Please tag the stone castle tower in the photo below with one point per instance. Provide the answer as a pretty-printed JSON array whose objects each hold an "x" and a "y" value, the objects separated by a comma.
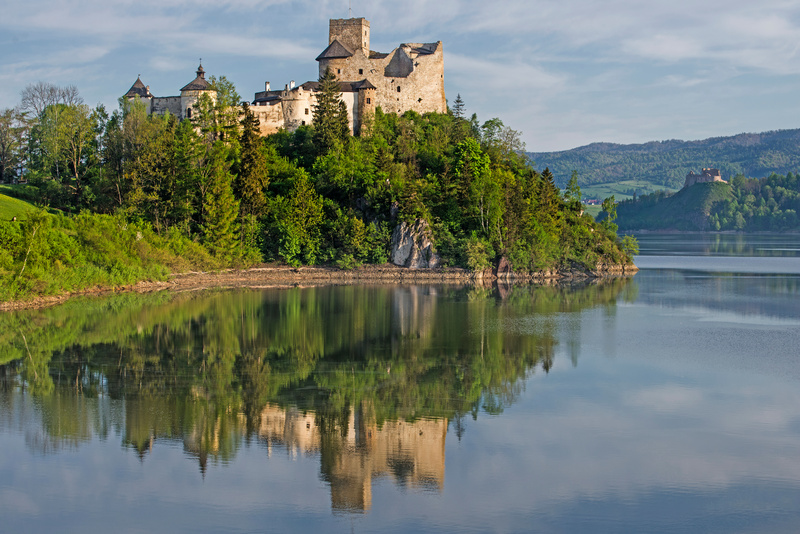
[{"x": 410, "y": 77}]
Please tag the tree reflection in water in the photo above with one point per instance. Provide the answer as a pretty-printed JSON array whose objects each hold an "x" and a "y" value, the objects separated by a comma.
[{"x": 367, "y": 377}]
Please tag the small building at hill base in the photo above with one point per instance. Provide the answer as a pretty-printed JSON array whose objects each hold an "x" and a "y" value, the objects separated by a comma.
[{"x": 705, "y": 176}]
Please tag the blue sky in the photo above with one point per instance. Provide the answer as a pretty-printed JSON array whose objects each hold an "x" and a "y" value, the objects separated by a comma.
[{"x": 564, "y": 72}]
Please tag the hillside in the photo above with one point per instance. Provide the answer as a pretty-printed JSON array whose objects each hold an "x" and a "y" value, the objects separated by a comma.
[
  {"x": 12, "y": 207},
  {"x": 688, "y": 209},
  {"x": 664, "y": 164}
]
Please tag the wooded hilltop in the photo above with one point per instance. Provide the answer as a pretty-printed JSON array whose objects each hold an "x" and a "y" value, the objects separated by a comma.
[
  {"x": 128, "y": 196},
  {"x": 743, "y": 205}
]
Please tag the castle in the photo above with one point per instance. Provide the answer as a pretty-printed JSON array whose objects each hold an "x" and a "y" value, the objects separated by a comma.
[
  {"x": 409, "y": 78},
  {"x": 180, "y": 106},
  {"x": 707, "y": 175}
]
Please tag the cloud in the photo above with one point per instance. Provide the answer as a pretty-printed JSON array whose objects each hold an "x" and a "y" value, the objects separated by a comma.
[{"x": 580, "y": 66}]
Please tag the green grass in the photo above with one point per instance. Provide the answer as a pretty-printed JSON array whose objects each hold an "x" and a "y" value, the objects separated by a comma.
[
  {"x": 594, "y": 211},
  {"x": 13, "y": 207},
  {"x": 618, "y": 189}
]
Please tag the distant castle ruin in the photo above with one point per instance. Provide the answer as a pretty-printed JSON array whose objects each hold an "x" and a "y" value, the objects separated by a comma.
[
  {"x": 409, "y": 78},
  {"x": 707, "y": 175}
]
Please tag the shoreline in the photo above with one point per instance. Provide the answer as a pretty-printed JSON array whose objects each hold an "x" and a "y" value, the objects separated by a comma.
[{"x": 284, "y": 276}]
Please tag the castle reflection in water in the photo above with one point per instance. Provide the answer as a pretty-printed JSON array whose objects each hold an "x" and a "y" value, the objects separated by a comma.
[{"x": 410, "y": 452}]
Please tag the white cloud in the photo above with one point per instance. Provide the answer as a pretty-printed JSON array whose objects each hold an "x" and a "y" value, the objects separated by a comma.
[{"x": 580, "y": 66}]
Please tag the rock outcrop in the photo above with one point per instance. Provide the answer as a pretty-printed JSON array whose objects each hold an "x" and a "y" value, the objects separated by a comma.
[{"x": 412, "y": 246}]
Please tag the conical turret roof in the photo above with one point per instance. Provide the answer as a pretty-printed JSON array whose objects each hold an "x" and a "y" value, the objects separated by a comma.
[
  {"x": 138, "y": 89},
  {"x": 199, "y": 83}
]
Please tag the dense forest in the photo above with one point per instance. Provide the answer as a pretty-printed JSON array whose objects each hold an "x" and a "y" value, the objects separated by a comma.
[
  {"x": 665, "y": 164},
  {"x": 748, "y": 205},
  {"x": 137, "y": 195}
]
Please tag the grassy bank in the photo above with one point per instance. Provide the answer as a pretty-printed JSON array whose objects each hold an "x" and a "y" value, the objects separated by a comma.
[
  {"x": 13, "y": 207},
  {"x": 44, "y": 254}
]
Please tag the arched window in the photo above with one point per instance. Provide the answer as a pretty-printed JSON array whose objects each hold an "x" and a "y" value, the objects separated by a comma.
[{"x": 189, "y": 112}]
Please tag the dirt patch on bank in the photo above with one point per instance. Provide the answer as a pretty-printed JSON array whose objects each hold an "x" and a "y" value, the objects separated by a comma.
[{"x": 282, "y": 276}]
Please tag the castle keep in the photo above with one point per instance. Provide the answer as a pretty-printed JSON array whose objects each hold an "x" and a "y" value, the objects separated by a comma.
[
  {"x": 409, "y": 78},
  {"x": 707, "y": 175}
]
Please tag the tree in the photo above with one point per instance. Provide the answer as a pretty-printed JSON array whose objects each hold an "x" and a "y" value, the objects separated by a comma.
[
  {"x": 572, "y": 193},
  {"x": 458, "y": 108},
  {"x": 218, "y": 111},
  {"x": 38, "y": 96},
  {"x": 220, "y": 231},
  {"x": 251, "y": 180},
  {"x": 331, "y": 125},
  {"x": 610, "y": 208},
  {"x": 13, "y": 131},
  {"x": 78, "y": 127},
  {"x": 299, "y": 220}
]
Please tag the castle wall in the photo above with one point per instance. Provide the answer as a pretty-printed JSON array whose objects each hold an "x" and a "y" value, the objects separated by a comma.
[
  {"x": 706, "y": 176},
  {"x": 421, "y": 90},
  {"x": 270, "y": 117},
  {"x": 146, "y": 102},
  {"x": 420, "y": 76},
  {"x": 167, "y": 104},
  {"x": 293, "y": 108},
  {"x": 189, "y": 99},
  {"x": 366, "y": 108}
]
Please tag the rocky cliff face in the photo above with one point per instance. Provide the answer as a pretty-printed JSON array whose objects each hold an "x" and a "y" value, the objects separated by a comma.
[{"x": 412, "y": 246}]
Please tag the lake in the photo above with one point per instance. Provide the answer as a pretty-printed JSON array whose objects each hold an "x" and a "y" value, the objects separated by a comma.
[{"x": 666, "y": 402}]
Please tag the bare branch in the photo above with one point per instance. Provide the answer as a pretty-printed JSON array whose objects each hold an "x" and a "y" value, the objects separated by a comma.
[{"x": 37, "y": 96}]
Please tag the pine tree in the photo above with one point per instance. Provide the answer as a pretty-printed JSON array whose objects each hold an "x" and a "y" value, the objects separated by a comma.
[
  {"x": 221, "y": 208},
  {"x": 252, "y": 177},
  {"x": 331, "y": 125},
  {"x": 458, "y": 108}
]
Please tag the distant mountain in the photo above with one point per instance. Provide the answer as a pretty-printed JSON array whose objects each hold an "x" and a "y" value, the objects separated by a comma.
[{"x": 666, "y": 163}]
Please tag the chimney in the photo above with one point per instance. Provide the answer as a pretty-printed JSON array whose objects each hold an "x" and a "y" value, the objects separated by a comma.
[
  {"x": 291, "y": 84},
  {"x": 266, "y": 86}
]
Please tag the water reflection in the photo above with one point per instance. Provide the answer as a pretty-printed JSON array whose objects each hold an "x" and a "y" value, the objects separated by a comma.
[
  {"x": 720, "y": 244},
  {"x": 369, "y": 379}
]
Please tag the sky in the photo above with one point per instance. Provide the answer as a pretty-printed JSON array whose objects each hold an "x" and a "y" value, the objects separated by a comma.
[{"x": 565, "y": 73}]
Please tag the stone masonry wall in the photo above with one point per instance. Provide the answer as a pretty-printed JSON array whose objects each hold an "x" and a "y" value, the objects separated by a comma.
[
  {"x": 352, "y": 33},
  {"x": 420, "y": 77},
  {"x": 171, "y": 104}
]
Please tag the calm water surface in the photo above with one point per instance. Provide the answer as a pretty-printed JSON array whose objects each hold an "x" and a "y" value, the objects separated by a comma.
[{"x": 668, "y": 402}]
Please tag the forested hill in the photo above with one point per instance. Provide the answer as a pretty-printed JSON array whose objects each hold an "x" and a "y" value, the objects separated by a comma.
[{"x": 666, "y": 163}]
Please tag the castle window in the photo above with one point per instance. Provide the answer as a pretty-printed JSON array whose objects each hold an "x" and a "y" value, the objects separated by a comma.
[
  {"x": 361, "y": 71},
  {"x": 303, "y": 123},
  {"x": 188, "y": 113},
  {"x": 338, "y": 71},
  {"x": 398, "y": 88},
  {"x": 306, "y": 111},
  {"x": 369, "y": 101}
]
